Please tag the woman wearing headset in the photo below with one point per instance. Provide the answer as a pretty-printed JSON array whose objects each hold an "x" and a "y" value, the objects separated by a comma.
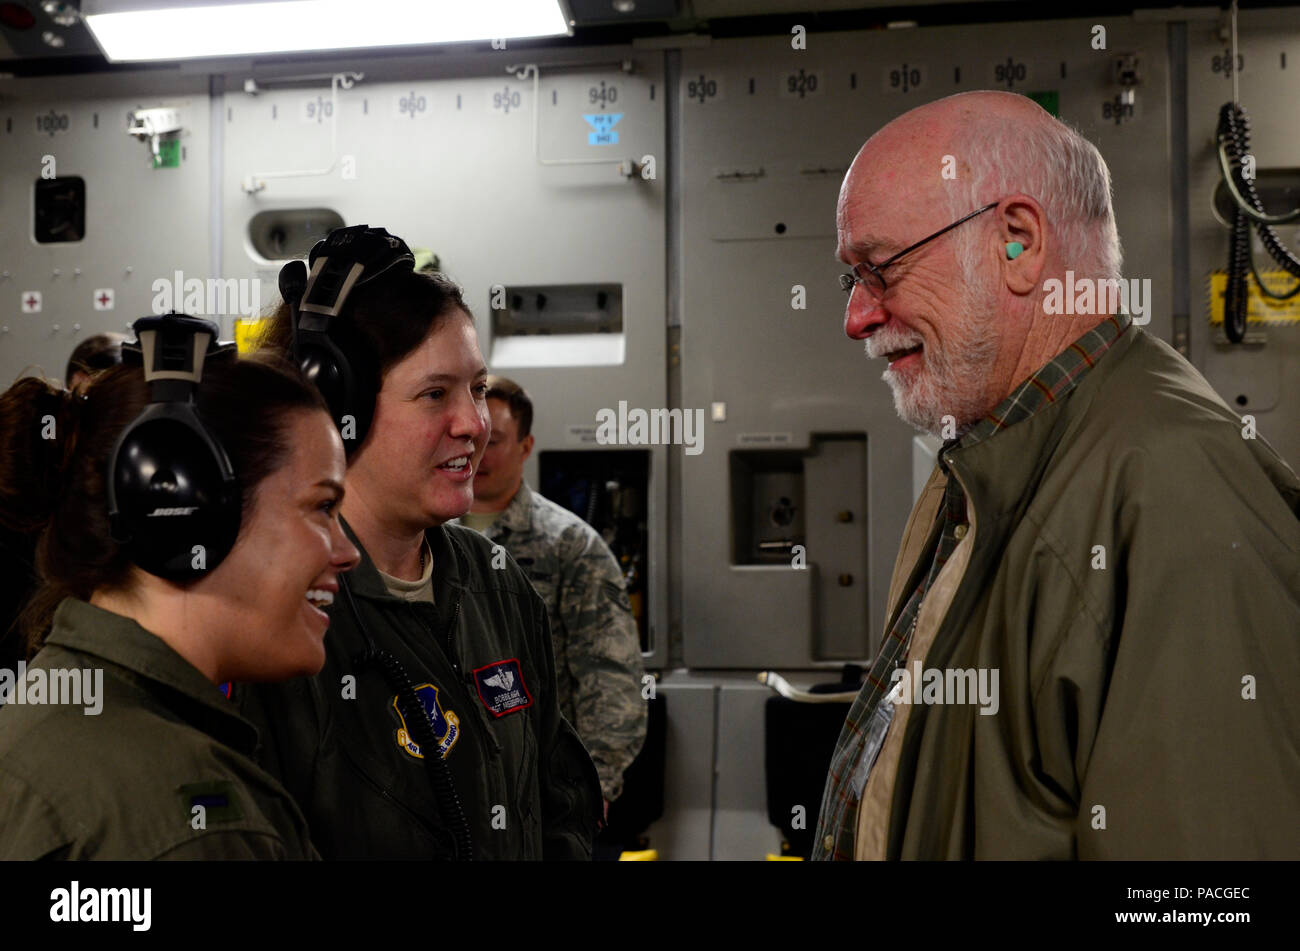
[
  {"x": 433, "y": 730},
  {"x": 116, "y": 741}
]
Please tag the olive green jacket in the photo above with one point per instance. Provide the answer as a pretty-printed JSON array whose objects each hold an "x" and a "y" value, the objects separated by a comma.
[
  {"x": 481, "y": 660},
  {"x": 164, "y": 770},
  {"x": 597, "y": 648},
  {"x": 1135, "y": 579}
]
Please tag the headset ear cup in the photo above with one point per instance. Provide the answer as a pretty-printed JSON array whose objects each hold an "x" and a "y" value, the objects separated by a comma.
[
  {"x": 326, "y": 369},
  {"x": 367, "y": 382},
  {"x": 349, "y": 385},
  {"x": 175, "y": 504}
]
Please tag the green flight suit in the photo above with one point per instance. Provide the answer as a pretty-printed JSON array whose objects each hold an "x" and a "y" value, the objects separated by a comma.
[
  {"x": 124, "y": 783},
  {"x": 481, "y": 662},
  {"x": 597, "y": 649}
]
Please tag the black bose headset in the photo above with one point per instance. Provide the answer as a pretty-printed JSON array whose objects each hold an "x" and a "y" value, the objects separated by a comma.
[
  {"x": 330, "y": 353},
  {"x": 338, "y": 361},
  {"x": 173, "y": 497}
]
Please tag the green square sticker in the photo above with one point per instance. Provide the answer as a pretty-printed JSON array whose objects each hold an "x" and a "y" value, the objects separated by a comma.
[
  {"x": 169, "y": 153},
  {"x": 1049, "y": 100}
]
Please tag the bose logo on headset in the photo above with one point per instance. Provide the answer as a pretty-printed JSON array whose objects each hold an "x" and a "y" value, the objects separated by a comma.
[{"x": 184, "y": 510}]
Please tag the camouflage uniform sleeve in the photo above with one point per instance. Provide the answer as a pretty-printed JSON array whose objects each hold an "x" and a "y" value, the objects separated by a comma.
[{"x": 604, "y": 657}]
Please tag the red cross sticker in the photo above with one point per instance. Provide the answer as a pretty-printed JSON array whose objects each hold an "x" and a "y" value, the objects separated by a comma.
[
  {"x": 31, "y": 302},
  {"x": 104, "y": 298}
]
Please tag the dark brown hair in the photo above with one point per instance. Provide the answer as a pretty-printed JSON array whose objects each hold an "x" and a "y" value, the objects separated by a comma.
[
  {"x": 385, "y": 320},
  {"x": 55, "y": 448},
  {"x": 521, "y": 407},
  {"x": 93, "y": 354}
]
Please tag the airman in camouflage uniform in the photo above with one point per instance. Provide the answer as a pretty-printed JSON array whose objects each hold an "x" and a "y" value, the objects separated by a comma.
[{"x": 597, "y": 648}]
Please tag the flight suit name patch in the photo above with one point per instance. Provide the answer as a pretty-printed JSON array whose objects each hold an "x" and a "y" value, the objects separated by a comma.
[
  {"x": 501, "y": 687},
  {"x": 218, "y": 799}
]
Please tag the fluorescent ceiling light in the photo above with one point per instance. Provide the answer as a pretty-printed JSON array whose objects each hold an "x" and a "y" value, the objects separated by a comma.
[{"x": 135, "y": 30}]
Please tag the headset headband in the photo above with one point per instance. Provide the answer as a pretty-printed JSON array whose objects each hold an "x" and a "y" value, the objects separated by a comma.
[
  {"x": 347, "y": 258},
  {"x": 333, "y": 359},
  {"x": 172, "y": 348}
]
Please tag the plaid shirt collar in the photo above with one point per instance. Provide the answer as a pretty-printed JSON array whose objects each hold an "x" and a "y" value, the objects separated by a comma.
[{"x": 1056, "y": 379}]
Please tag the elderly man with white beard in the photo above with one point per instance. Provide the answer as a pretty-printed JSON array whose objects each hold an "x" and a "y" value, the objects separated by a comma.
[{"x": 1100, "y": 529}]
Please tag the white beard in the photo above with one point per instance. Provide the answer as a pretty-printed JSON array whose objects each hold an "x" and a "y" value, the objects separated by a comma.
[{"x": 952, "y": 379}]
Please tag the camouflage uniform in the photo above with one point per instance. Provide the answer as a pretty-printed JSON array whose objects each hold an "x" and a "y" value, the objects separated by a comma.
[{"x": 597, "y": 650}]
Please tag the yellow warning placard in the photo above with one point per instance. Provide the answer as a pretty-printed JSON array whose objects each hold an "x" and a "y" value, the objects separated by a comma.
[{"x": 1259, "y": 309}]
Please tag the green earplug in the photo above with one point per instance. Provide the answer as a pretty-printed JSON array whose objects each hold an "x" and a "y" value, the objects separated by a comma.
[{"x": 1013, "y": 250}]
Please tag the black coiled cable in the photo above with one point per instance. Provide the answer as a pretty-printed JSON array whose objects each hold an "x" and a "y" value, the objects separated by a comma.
[
  {"x": 421, "y": 729},
  {"x": 1234, "y": 137}
]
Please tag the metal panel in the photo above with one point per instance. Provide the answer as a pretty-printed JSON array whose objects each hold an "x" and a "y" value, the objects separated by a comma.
[
  {"x": 741, "y": 830},
  {"x": 685, "y": 831},
  {"x": 142, "y": 224}
]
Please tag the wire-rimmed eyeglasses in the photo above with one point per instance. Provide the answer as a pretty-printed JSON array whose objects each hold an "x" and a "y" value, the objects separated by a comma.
[{"x": 871, "y": 276}]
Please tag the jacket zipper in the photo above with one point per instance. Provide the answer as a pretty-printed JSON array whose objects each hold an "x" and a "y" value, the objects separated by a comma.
[{"x": 451, "y": 629}]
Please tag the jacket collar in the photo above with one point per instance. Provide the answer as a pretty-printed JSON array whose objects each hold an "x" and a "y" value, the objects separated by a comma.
[
  {"x": 997, "y": 470},
  {"x": 87, "y": 629},
  {"x": 1051, "y": 382},
  {"x": 449, "y": 572}
]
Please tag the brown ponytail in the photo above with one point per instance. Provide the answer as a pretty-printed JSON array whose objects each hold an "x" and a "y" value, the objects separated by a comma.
[{"x": 55, "y": 448}]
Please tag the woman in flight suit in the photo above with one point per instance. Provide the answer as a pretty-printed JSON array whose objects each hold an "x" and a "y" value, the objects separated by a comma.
[
  {"x": 433, "y": 730},
  {"x": 116, "y": 741}
]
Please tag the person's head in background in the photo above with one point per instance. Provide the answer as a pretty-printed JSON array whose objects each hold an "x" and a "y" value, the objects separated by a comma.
[
  {"x": 411, "y": 338},
  {"x": 249, "y": 616},
  {"x": 509, "y": 445},
  {"x": 92, "y": 355}
]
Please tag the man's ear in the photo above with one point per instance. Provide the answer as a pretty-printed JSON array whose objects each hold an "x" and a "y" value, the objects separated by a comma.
[
  {"x": 527, "y": 443},
  {"x": 1022, "y": 235}
]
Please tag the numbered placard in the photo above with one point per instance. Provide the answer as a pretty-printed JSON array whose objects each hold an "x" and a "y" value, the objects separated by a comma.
[
  {"x": 1119, "y": 109},
  {"x": 602, "y": 96},
  {"x": 410, "y": 104},
  {"x": 52, "y": 123},
  {"x": 506, "y": 100},
  {"x": 702, "y": 88},
  {"x": 903, "y": 77},
  {"x": 1010, "y": 73},
  {"x": 318, "y": 110},
  {"x": 801, "y": 83},
  {"x": 1221, "y": 63}
]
